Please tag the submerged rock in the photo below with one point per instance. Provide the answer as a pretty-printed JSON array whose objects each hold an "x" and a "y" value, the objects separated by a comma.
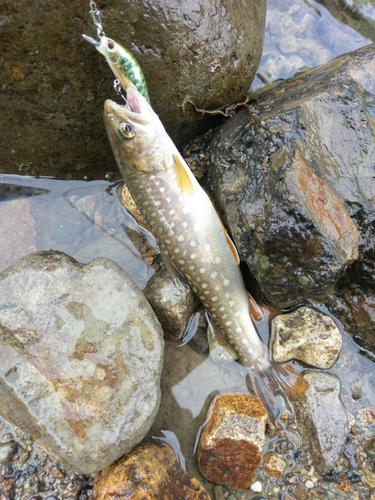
[
  {"x": 230, "y": 447},
  {"x": 80, "y": 358},
  {"x": 173, "y": 305},
  {"x": 322, "y": 420},
  {"x": 150, "y": 470},
  {"x": 289, "y": 181},
  {"x": 306, "y": 335}
]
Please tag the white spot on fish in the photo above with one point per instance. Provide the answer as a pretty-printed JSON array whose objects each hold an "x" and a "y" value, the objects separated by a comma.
[
  {"x": 214, "y": 298},
  {"x": 165, "y": 252},
  {"x": 202, "y": 270},
  {"x": 193, "y": 256},
  {"x": 224, "y": 316},
  {"x": 204, "y": 285},
  {"x": 214, "y": 315},
  {"x": 202, "y": 297},
  {"x": 228, "y": 323},
  {"x": 157, "y": 203},
  {"x": 196, "y": 228},
  {"x": 213, "y": 275},
  {"x": 171, "y": 212},
  {"x": 231, "y": 303},
  {"x": 172, "y": 225},
  {"x": 153, "y": 214},
  {"x": 152, "y": 177},
  {"x": 188, "y": 276},
  {"x": 226, "y": 282},
  {"x": 193, "y": 244},
  {"x": 207, "y": 248},
  {"x": 238, "y": 329},
  {"x": 145, "y": 203},
  {"x": 222, "y": 308},
  {"x": 157, "y": 183},
  {"x": 216, "y": 288},
  {"x": 191, "y": 268},
  {"x": 206, "y": 292},
  {"x": 167, "y": 241},
  {"x": 185, "y": 210},
  {"x": 181, "y": 261},
  {"x": 185, "y": 224},
  {"x": 168, "y": 199},
  {"x": 176, "y": 250},
  {"x": 162, "y": 189},
  {"x": 181, "y": 237},
  {"x": 194, "y": 288},
  {"x": 217, "y": 260}
]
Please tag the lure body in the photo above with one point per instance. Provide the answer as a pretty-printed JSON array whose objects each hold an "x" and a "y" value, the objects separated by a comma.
[{"x": 123, "y": 64}]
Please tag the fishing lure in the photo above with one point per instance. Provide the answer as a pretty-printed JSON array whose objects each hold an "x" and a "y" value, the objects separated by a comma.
[{"x": 121, "y": 61}]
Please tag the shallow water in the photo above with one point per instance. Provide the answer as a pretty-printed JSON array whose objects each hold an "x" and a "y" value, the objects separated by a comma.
[
  {"x": 301, "y": 34},
  {"x": 86, "y": 220}
]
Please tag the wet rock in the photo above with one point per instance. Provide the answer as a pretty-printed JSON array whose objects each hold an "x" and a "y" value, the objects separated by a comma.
[
  {"x": 230, "y": 447},
  {"x": 173, "y": 306},
  {"x": 148, "y": 471},
  {"x": 208, "y": 52},
  {"x": 322, "y": 419},
  {"x": 17, "y": 231},
  {"x": 81, "y": 355},
  {"x": 306, "y": 335},
  {"x": 274, "y": 464},
  {"x": 219, "y": 352},
  {"x": 288, "y": 205}
]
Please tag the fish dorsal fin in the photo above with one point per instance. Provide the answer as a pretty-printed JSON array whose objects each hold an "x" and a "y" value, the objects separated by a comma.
[
  {"x": 232, "y": 247},
  {"x": 183, "y": 176}
]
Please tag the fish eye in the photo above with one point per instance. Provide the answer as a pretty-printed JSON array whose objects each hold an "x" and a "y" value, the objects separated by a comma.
[
  {"x": 125, "y": 131},
  {"x": 110, "y": 45}
]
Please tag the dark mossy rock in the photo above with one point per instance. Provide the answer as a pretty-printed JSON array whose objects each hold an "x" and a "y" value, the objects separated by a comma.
[
  {"x": 54, "y": 83},
  {"x": 295, "y": 182}
]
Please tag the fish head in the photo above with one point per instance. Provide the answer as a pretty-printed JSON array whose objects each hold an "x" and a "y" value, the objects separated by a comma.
[
  {"x": 110, "y": 49},
  {"x": 137, "y": 137}
]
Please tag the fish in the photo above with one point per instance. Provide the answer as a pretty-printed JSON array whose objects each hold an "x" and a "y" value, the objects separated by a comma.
[
  {"x": 123, "y": 64},
  {"x": 194, "y": 244}
]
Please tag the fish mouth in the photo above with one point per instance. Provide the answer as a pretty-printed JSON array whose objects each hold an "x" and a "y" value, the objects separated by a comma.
[
  {"x": 93, "y": 42},
  {"x": 135, "y": 109}
]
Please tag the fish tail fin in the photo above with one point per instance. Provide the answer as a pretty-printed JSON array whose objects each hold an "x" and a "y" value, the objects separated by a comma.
[{"x": 270, "y": 379}]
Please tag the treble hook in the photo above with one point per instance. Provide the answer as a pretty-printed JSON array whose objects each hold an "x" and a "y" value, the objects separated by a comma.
[
  {"x": 118, "y": 90},
  {"x": 95, "y": 14}
]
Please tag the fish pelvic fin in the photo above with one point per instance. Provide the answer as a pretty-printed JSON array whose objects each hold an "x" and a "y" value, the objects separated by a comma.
[{"x": 270, "y": 379}]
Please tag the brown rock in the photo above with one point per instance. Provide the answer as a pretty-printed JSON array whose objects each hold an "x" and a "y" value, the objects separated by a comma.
[
  {"x": 274, "y": 464},
  {"x": 230, "y": 448},
  {"x": 150, "y": 470}
]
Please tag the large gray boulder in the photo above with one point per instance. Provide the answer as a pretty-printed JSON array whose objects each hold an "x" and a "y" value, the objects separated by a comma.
[{"x": 80, "y": 358}]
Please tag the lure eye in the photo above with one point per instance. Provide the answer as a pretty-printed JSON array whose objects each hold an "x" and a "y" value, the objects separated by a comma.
[
  {"x": 110, "y": 45},
  {"x": 125, "y": 131}
]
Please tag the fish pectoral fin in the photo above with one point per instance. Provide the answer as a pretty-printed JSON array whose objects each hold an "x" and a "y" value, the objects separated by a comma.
[
  {"x": 177, "y": 277},
  {"x": 183, "y": 176},
  {"x": 232, "y": 247}
]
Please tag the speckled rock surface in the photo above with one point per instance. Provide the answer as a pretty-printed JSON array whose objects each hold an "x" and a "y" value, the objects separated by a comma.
[
  {"x": 322, "y": 420},
  {"x": 230, "y": 447},
  {"x": 52, "y": 93},
  {"x": 297, "y": 215},
  {"x": 148, "y": 471},
  {"x": 173, "y": 306},
  {"x": 307, "y": 335},
  {"x": 80, "y": 358}
]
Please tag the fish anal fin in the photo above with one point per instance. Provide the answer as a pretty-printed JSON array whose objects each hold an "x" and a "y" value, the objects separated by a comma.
[
  {"x": 183, "y": 176},
  {"x": 232, "y": 247},
  {"x": 255, "y": 310}
]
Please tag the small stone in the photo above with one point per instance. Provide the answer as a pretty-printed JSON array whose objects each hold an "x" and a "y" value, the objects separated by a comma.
[
  {"x": 368, "y": 477},
  {"x": 230, "y": 447},
  {"x": 274, "y": 464},
  {"x": 150, "y": 470},
  {"x": 256, "y": 487},
  {"x": 7, "y": 452},
  {"x": 300, "y": 492},
  {"x": 306, "y": 335},
  {"x": 309, "y": 484},
  {"x": 173, "y": 306}
]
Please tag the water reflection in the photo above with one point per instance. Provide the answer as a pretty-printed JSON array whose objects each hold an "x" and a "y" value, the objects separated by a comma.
[{"x": 82, "y": 219}]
